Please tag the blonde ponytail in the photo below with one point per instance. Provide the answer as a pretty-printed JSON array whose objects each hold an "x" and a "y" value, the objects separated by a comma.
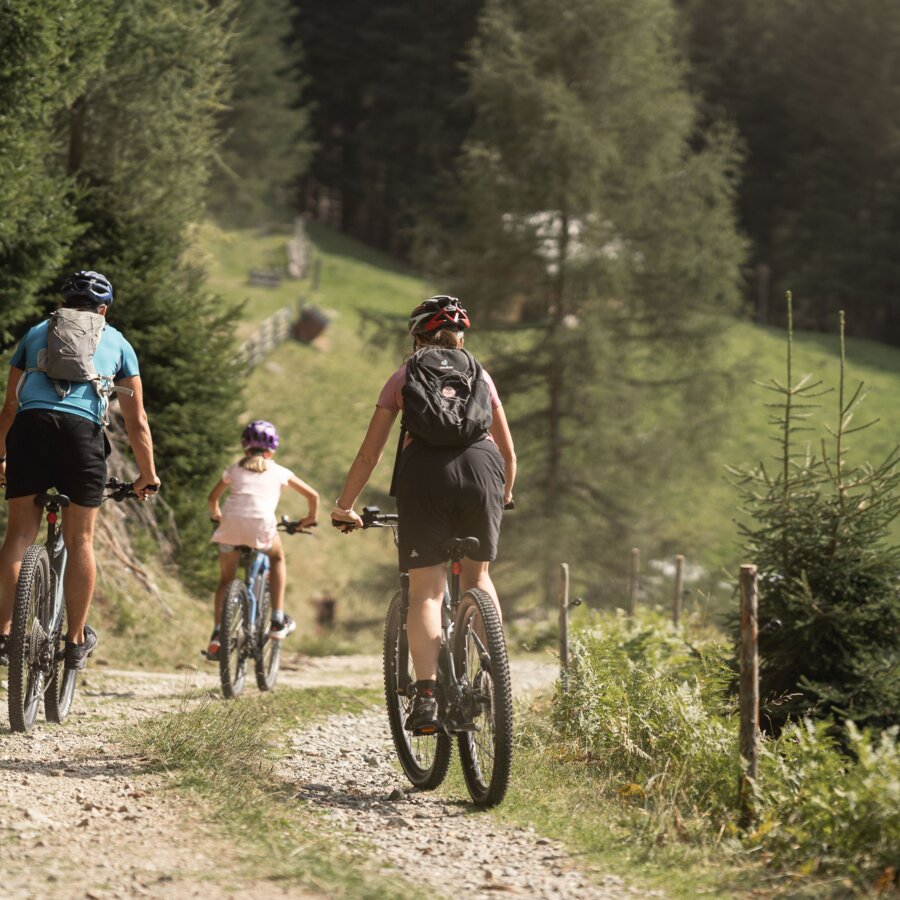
[{"x": 254, "y": 462}]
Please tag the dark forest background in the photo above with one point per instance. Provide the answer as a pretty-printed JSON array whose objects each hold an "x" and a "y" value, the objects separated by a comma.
[{"x": 609, "y": 185}]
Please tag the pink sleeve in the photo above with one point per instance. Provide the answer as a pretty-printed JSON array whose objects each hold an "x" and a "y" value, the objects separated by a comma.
[
  {"x": 495, "y": 397},
  {"x": 226, "y": 475},
  {"x": 391, "y": 396},
  {"x": 286, "y": 476}
]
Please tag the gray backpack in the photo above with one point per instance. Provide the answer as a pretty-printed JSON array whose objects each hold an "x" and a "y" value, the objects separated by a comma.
[{"x": 72, "y": 339}]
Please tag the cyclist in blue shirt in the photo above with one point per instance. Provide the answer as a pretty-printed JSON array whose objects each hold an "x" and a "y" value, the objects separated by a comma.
[{"x": 51, "y": 438}]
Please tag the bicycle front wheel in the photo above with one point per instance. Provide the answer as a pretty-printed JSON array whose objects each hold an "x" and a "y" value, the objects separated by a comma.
[
  {"x": 60, "y": 691},
  {"x": 29, "y": 638},
  {"x": 268, "y": 652},
  {"x": 233, "y": 649},
  {"x": 481, "y": 661},
  {"x": 425, "y": 758}
]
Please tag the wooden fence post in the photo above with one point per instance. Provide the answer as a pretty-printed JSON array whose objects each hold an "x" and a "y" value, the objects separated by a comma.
[
  {"x": 679, "y": 589},
  {"x": 749, "y": 699},
  {"x": 564, "y": 625},
  {"x": 633, "y": 581}
]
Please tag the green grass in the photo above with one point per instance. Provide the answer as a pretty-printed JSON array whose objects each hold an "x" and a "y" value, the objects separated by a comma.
[
  {"x": 321, "y": 397},
  {"x": 223, "y": 754}
]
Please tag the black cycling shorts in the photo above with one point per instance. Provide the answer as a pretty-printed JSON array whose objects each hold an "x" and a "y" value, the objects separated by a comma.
[
  {"x": 45, "y": 449},
  {"x": 446, "y": 492}
]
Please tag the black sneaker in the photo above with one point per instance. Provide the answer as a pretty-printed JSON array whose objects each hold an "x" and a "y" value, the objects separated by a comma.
[
  {"x": 278, "y": 631},
  {"x": 212, "y": 651},
  {"x": 77, "y": 654},
  {"x": 422, "y": 717},
  {"x": 4, "y": 659}
]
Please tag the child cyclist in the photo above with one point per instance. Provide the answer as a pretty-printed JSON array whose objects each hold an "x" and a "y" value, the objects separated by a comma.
[{"x": 248, "y": 519}]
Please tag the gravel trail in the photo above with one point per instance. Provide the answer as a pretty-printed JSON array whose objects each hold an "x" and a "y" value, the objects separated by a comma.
[
  {"x": 347, "y": 767},
  {"x": 81, "y": 816}
]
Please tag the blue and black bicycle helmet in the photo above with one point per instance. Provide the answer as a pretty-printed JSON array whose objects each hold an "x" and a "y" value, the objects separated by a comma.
[{"x": 91, "y": 287}]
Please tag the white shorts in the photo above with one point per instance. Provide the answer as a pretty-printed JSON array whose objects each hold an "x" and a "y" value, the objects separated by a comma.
[{"x": 238, "y": 531}]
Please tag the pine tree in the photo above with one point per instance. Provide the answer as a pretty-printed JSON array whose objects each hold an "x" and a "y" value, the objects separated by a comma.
[
  {"x": 829, "y": 602},
  {"x": 266, "y": 148},
  {"x": 50, "y": 48},
  {"x": 584, "y": 219},
  {"x": 142, "y": 137}
]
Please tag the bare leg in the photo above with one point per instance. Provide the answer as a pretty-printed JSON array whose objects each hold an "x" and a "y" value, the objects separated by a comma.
[
  {"x": 23, "y": 522},
  {"x": 426, "y": 593},
  {"x": 475, "y": 575},
  {"x": 277, "y": 574},
  {"x": 81, "y": 568},
  {"x": 228, "y": 565}
]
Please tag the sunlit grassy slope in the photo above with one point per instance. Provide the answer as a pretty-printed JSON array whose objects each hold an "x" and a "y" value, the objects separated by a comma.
[{"x": 321, "y": 398}]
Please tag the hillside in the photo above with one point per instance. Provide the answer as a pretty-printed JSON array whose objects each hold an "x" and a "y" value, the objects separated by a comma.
[{"x": 321, "y": 397}]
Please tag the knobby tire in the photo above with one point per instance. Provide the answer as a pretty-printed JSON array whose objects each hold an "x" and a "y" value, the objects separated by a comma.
[
  {"x": 232, "y": 655},
  {"x": 60, "y": 690},
  {"x": 268, "y": 652},
  {"x": 424, "y": 758},
  {"x": 485, "y": 755},
  {"x": 30, "y": 626}
]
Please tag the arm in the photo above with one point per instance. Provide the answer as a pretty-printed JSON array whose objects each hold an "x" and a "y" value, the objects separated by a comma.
[
  {"x": 7, "y": 414},
  {"x": 138, "y": 429},
  {"x": 503, "y": 439},
  {"x": 366, "y": 459},
  {"x": 214, "y": 512},
  {"x": 312, "y": 498}
]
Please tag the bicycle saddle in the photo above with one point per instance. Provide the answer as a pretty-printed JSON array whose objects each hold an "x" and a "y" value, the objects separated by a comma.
[
  {"x": 45, "y": 499},
  {"x": 457, "y": 548}
]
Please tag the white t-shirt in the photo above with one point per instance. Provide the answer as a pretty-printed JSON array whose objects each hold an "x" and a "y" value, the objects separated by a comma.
[{"x": 254, "y": 495}]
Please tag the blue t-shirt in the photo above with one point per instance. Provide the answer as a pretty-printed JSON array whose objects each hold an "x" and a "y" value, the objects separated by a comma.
[{"x": 114, "y": 357}]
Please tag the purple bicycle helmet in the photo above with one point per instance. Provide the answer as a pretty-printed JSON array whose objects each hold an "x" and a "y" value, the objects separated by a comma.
[{"x": 260, "y": 435}]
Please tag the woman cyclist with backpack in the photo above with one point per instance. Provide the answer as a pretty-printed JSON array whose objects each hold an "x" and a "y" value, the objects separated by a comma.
[{"x": 447, "y": 485}]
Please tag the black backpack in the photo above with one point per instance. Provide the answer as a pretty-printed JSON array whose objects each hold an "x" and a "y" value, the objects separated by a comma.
[{"x": 446, "y": 400}]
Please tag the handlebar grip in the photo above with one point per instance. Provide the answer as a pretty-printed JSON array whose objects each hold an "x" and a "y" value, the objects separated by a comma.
[
  {"x": 510, "y": 505},
  {"x": 338, "y": 524}
]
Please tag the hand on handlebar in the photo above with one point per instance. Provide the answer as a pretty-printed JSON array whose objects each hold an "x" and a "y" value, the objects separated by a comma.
[
  {"x": 346, "y": 521},
  {"x": 143, "y": 487}
]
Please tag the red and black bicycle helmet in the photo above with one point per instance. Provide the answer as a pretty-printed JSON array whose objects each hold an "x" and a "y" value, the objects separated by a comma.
[
  {"x": 260, "y": 435},
  {"x": 436, "y": 313}
]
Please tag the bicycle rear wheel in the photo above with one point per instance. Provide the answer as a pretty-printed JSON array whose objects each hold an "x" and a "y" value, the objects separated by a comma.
[
  {"x": 29, "y": 638},
  {"x": 425, "y": 758},
  {"x": 479, "y": 654},
  {"x": 233, "y": 640},
  {"x": 60, "y": 690},
  {"x": 268, "y": 652}
]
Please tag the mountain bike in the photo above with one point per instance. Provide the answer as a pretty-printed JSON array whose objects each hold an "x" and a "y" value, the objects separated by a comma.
[
  {"x": 244, "y": 629},
  {"x": 37, "y": 637},
  {"x": 474, "y": 691}
]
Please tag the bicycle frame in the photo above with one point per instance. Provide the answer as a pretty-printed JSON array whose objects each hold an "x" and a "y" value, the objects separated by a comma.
[
  {"x": 455, "y": 700},
  {"x": 254, "y": 568},
  {"x": 56, "y": 550}
]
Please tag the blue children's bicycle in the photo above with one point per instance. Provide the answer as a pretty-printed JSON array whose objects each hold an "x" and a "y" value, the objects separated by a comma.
[{"x": 244, "y": 630}]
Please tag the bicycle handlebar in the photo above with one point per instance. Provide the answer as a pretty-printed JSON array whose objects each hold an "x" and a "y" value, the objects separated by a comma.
[
  {"x": 124, "y": 490},
  {"x": 373, "y": 517},
  {"x": 294, "y": 527}
]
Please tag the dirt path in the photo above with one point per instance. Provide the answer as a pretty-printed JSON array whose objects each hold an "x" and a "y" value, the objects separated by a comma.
[{"x": 81, "y": 817}]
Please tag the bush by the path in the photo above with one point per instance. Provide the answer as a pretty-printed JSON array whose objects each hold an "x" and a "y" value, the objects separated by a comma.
[{"x": 648, "y": 710}]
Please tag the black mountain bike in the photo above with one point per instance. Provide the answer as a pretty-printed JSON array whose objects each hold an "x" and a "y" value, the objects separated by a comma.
[
  {"x": 244, "y": 629},
  {"x": 474, "y": 690},
  {"x": 37, "y": 637}
]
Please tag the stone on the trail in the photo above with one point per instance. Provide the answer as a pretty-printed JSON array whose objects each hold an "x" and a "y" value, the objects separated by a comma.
[{"x": 396, "y": 794}]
